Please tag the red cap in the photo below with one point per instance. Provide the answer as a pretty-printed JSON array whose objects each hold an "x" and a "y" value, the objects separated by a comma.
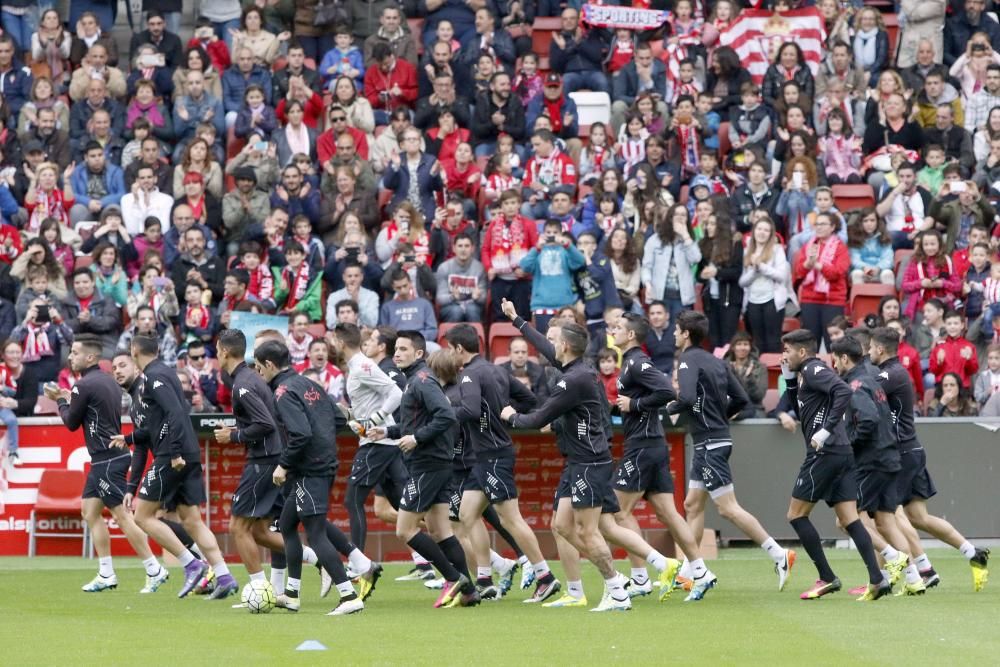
[{"x": 553, "y": 79}]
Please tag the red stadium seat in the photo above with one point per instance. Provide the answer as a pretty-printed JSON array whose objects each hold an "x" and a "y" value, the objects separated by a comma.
[
  {"x": 317, "y": 330},
  {"x": 501, "y": 333},
  {"x": 724, "y": 145},
  {"x": 902, "y": 255},
  {"x": 850, "y": 197},
  {"x": 790, "y": 324},
  {"x": 58, "y": 495},
  {"x": 891, "y": 28},
  {"x": 541, "y": 34},
  {"x": 83, "y": 262},
  {"x": 771, "y": 398},
  {"x": 445, "y": 327},
  {"x": 865, "y": 298},
  {"x": 772, "y": 360}
]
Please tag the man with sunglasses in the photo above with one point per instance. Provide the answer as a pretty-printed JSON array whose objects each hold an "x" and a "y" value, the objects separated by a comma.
[{"x": 326, "y": 143}]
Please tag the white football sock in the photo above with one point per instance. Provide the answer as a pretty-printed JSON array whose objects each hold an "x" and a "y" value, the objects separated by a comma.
[
  {"x": 293, "y": 586},
  {"x": 773, "y": 550},
  {"x": 685, "y": 570},
  {"x": 152, "y": 566},
  {"x": 639, "y": 575},
  {"x": 104, "y": 567},
  {"x": 922, "y": 562},
  {"x": 186, "y": 558},
  {"x": 359, "y": 562},
  {"x": 967, "y": 549},
  {"x": 541, "y": 568},
  {"x": 698, "y": 568},
  {"x": 278, "y": 581},
  {"x": 575, "y": 589},
  {"x": 345, "y": 589},
  {"x": 657, "y": 560},
  {"x": 889, "y": 553},
  {"x": 912, "y": 575},
  {"x": 221, "y": 569},
  {"x": 309, "y": 556},
  {"x": 258, "y": 576}
]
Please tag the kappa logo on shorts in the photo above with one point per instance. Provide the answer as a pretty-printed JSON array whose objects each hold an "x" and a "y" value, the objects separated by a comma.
[{"x": 143, "y": 490}]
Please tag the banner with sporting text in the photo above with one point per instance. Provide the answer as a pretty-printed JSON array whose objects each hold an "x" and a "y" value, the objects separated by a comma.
[
  {"x": 613, "y": 16},
  {"x": 758, "y": 34}
]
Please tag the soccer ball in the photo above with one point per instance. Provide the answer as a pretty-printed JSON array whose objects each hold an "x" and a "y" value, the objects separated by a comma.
[{"x": 258, "y": 596}]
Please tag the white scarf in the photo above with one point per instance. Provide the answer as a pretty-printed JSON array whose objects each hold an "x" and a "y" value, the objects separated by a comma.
[
  {"x": 298, "y": 140},
  {"x": 864, "y": 48}
]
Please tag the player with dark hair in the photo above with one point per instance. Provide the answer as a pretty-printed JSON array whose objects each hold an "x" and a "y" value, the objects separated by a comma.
[
  {"x": 708, "y": 395},
  {"x": 95, "y": 404},
  {"x": 876, "y": 458},
  {"x": 257, "y": 501},
  {"x": 485, "y": 389},
  {"x": 578, "y": 413},
  {"x": 426, "y": 434},
  {"x": 126, "y": 375},
  {"x": 914, "y": 483},
  {"x": 175, "y": 476},
  {"x": 644, "y": 471},
  {"x": 827, "y": 473},
  {"x": 374, "y": 398},
  {"x": 308, "y": 462}
]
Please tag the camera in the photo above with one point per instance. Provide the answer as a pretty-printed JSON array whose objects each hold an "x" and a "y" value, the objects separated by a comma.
[
  {"x": 43, "y": 314},
  {"x": 550, "y": 238},
  {"x": 978, "y": 47},
  {"x": 409, "y": 258}
]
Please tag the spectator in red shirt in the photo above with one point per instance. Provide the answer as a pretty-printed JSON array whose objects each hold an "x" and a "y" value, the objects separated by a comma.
[
  {"x": 821, "y": 273},
  {"x": 908, "y": 357},
  {"x": 548, "y": 169},
  {"x": 955, "y": 354},
  {"x": 391, "y": 84},
  {"x": 508, "y": 239},
  {"x": 607, "y": 363}
]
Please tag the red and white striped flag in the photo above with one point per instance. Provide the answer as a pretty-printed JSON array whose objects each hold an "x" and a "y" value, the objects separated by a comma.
[{"x": 758, "y": 34}]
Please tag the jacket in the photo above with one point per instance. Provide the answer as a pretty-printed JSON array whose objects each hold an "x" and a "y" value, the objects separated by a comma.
[
  {"x": 625, "y": 82},
  {"x": 255, "y": 413},
  {"x": 822, "y": 399},
  {"x": 523, "y": 234},
  {"x": 649, "y": 390},
  {"x": 869, "y": 423},
  {"x": 170, "y": 46},
  {"x": 709, "y": 394},
  {"x": 927, "y": 109},
  {"x": 403, "y": 74},
  {"x": 310, "y": 304},
  {"x": 854, "y": 79},
  {"x": 105, "y": 319},
  {"x": 835, "y": 273},
  {"x": 236, "y": 219},
  {"x": 775, "y": 77},
  {"x": 538, "y": 107},
  {"x": 427, "y": 415},
  {"x": 900, "y": 393},
  {"x": 916, "y": 295},
  {"x": 730, "y": 293},
  {"x": 235, "y": 84},
  {"x": 595, "y": 286},
  {"x": 743, "y": 201},
  {"x": 958, "y": 33},
  {"x": 957, "y": 144},
  {"x": 15, "y": 86},
  {"x": 114, "y": 182},
  {"x": 402, "y": 45},
  {"x": 585, "y": 55},
  {"x": 872, "y": 253},
  {"x": 398, "y": 180},
  {"x": 949, "y": 214},
  {"x": 656, "y": 260},
  {"x": 279, "y": 82},
  {"x": 954, "y": 362},
  {"x": 924, "y": 20},
  {"x": 552, "y": 267},
  {"x": 164, "y": 423},
  {"x": 81, "y": 113},
  {"x": 882, "y": 56},
  {"x": 307, "y": 421},
  {"x": 213, "y": 271},
  {"x": 733, "y": 85},
  {"x": 95, "y": 404},
  {"x": 284, "y": 150},
  {"x": 114, "y": 78},
  {"x": 266, "y": 124},
  {"x": 986, "y": 385},
  {"x": 197, "y": 110},
  {"x": 483, "y": 129},
  {"x": 502, "y": 46},
  {"x": 485, "y": 390}
]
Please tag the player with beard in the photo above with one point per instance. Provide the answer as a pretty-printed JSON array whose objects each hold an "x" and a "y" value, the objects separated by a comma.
[
  {"x": 175, "y": 476},
  {"x": 95, "y": 404}
]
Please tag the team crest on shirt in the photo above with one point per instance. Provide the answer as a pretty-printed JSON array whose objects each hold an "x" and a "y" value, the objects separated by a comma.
[
  {"x": 855, "y": 385},
  {"x": 311, "y": 395},
  {"x": 280, "y": 391}
]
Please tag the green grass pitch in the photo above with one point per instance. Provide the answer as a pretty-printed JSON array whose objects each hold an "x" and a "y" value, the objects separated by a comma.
[{"x": 47, "y": 620}]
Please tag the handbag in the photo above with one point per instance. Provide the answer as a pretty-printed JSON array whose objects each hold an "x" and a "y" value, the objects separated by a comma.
[{"x": 330, "y": 12}]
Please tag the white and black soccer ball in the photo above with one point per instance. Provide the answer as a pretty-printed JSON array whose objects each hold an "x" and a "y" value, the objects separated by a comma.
[{"x": 258, "y": 596}]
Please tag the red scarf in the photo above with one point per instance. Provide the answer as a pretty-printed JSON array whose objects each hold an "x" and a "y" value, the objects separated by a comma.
[
  {"x": 510, "y": 243},
  {"x": 553, "y": 108},
  {"x": 687, "y": 136},
  {"x": 7, "y": 377},
  {"x": 85, "y": 303},
  {"x": 261, "y": 283},
  {"x": 197, "y": 209},
  {"x": 298, "y": 284},
  {"x": 37, "y": 344}
]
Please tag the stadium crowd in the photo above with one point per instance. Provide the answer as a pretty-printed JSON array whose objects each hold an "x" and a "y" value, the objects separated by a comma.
[{"x": 410, "y": 165}]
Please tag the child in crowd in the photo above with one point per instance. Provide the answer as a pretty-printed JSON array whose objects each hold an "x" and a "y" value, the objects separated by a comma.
[
  {"x": 261, "y": 285},
  {"x": 871, "y": 249},
  {"x": 344, "y": 59},
  {"x": 955, "y": 354},
  {"x": 446, "y": 33},
  {"x": 297, "y": 287},
  {"x": 198, "y": 322},
  {"x": 991, "y": 300},
  {"x": 302, "y": 232},
  {"x": 631, "y": 143},
  {"x": 607, "y": 362},
  {"x": 528, "y": 82},
  {"x": 974, "y": 287},
  {"x": 552, "y": 262},
  {"x": 709, "y": 121},
  {"x": 932, "y": 175},
  {"x": 622, "y": 50},
  {"x": 750, "y": 122},
  {"x": 499, "y": 176},
  {"x": 840, "y": 150},
  {"x": 988, "y": 381},
  {"x": 594, "y": 158},
  {"x": 141, "y": 129},
  {"x": 256, "y": 117}
]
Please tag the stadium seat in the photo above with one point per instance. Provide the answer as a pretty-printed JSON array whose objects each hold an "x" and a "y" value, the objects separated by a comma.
[
  {"x": 865, "y": 298},
  {"x": 772, "y": 361},
  {"x": 541, "y": 33},
  {"x": 501, "y": 333},
  {"x": 901, "y": 257},
  {"x": 46, "y": 406},
  {"x": 83, "y": 262},
  {"x": 417, "y": 32},
  {"x": 771, "y": 398},
  {"x": 790, "y": 324},
  {"x": 592, "y": 107},
  {"x": 317, "y": 330},
  {"x": 280, "y": 63},
  {"x": 850, "y": 197},
  {"x": 445, "y": 327},
  {"x": 384, "y": 197},
  {"x": 58, "y": 495},
  {"x": 105, "y": 365},
  {"x": 891, "y": 29}
]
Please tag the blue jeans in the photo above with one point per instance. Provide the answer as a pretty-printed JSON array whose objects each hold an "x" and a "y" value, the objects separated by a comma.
[
  {"x": 20, "y": 28},
  {"x": 316, "y": 47},
  {"x": 464, "y": 311},
  {"x": 222, "y": 32},
  {"x": 594, "y": 80},
  {"x": 900, "y": 240},
  {"x": 9, "y": 419},
  {"x": 104, "y": 10},
  {"x": 989, "y": 312},
  {"x": 537, "y": 211}
]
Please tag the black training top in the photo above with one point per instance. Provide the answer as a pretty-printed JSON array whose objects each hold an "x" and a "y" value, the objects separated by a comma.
[
  {"x": 307, "y": 420},
  {"x": 427, "y": 415},
  {"x": 485, "y": 390},
  {"x": 822, "y": 398},
  {"x": 166, "y": 424},
  {"x": 96, "y": 404},
  {"x": 899, "y": 393},
  {"x": 649, "y": 390},
  {"x": 869, "y": 424},
  {"x": 255, "y": 412},
  {"x": 709, "y": 395}
]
